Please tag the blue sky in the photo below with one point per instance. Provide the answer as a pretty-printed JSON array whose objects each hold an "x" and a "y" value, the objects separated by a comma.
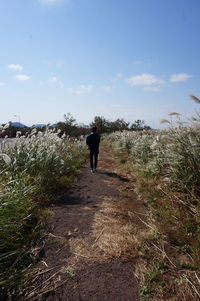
[{"x": 131, "y": 59}]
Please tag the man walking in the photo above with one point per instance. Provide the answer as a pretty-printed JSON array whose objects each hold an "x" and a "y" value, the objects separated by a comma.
[{"x": 93, "y": 141}]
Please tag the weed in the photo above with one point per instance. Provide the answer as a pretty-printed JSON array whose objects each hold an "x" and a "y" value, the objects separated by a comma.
[
  {"x": 33, "y": 170},
  {"x": 70, "y": 271},
  {"x": 167, "y": 165}
]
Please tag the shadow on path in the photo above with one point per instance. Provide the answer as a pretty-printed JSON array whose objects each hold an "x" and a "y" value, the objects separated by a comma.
[
  {"x": 114, "y": 175},
  {"x": 66, "y": 274},
  {"x": 95, "y": 283}
]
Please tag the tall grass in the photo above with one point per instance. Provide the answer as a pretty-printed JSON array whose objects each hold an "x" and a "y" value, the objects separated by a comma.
[
  {"x": 172, "y": 154},
  {"x": 33, "y": 169},
  {"x": 167, "y": 163}
]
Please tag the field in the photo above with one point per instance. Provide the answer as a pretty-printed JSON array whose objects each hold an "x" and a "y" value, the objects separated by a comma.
[
  {"x": 167, "y": 166},
  {"x": 33, "y": 171}
]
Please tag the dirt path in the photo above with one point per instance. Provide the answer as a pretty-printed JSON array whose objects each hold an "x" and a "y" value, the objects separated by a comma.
[{"x": 89, "y": 251}]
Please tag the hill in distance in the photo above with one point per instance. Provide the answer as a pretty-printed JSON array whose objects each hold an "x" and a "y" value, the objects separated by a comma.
[{"x": 18, "y": 124}]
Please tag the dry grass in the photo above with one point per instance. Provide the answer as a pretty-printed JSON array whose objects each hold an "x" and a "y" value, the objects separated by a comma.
[
  {"x": 116, "y": 224},
  {"x": 167, "y": 268},
  {"x": 113, "y": 236},
  {"x": 118, "y": 238}
]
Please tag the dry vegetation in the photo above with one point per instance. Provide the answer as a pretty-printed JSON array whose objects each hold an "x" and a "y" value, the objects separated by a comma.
[
  {"x": 167, "y": 166},
  {"x": 114, "y": 226},
  {"x": 33, "y": 170},
  {"x": 153, "y": 221}
]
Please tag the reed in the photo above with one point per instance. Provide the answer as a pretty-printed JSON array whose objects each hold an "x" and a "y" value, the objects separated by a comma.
[
  {"x": 167, "y": 165},
  {"x": 33, "y": 170}
]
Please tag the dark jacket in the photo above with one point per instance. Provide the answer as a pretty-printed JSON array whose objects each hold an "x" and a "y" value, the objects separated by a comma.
[{"x": 93, "y": 141}]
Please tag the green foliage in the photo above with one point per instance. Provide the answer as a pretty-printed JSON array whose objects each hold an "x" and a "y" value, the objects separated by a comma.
[
  {"x": 101, "y": 123},
  {"x": 107, "y": 126},
  {"x": 70, "y": 128},
  {"x": 152, "y": 277},
  {"x": 69, "y": 125},
  {"x": 33, "y": 169},
  {"x": 139, "y": 125}
]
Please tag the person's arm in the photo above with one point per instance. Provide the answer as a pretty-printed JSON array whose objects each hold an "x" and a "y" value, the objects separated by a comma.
[{"x": 87, "y": 140}]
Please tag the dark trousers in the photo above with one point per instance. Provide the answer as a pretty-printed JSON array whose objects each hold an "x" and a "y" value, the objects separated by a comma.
[{"x": 93, "y": 159}]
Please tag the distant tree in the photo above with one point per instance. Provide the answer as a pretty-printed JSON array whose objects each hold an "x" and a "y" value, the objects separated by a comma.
[
  {"x": 106, "y": 126},
  {"x": 119, "y": 125},
  {"x": 139, "y": 125},
  {"x": 69, "y": 125},
  {"x": 12, "y": 130},
  {"x": 101, "y": 123},
  {"x": 82, "y": 130},
  {"x": 71, "y": 128}
]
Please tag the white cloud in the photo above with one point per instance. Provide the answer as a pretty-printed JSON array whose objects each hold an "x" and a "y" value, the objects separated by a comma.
[
  {"x": 137, "y": 62},
  {"x": 61, "y": 85},
  {"x": 155, "y": 88},
  {"x": 82, "y": 89},
  {"x": 180, "y": 77},
  {"x": 115, "y": 106},
  {"x": 2, "y": 84},
  {"x": 51, "y": 2},
  {"x": 22, "y": 77},
  {"x": 15, "y": 67},
  {"x": 107, "y": 88},
  {"x": 117, "y": 77},
  {"x": 144, "y": 79},
  {"x": 54, "y": 80}
]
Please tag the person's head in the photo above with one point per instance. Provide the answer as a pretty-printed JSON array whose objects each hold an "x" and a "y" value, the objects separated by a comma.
[{"x": 94, "y": 129}]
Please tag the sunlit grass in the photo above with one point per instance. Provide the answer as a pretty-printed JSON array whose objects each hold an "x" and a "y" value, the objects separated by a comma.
[
  {"x": 167, "y": 165},
  {"x": 33, "y": 170}
]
